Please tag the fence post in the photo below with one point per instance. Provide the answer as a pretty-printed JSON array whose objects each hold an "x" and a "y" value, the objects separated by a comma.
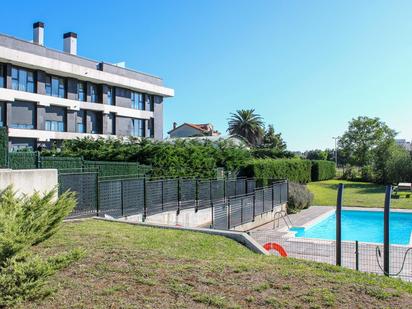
[
  {"x": 357, "y": 255},
  {"x": 273, "y": 196},
  {"x": 228, "y": 214},
  {"x": 224, "y": 189},
  {"x": 386, "y": 214},
  {"x": 254, "y": 206},
  {"x": 339, "y": 225},
  {"x": 121, "y": 197},
  {"x": 241, "y": 210},
  {"x": 97, "y": 194},
  {"x": 196, "y": 195},
  {"x": 162, "y": 182},
  {"x": 178, "y": 197},
  {"x": 144, "y": 200},
  {"x": 39, "y": 165}
]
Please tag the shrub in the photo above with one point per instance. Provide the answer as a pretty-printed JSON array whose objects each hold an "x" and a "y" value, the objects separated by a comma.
[
  {"x": 323, "y": 170},
  {"x": 367, "y": 174},
  {"x": 350, "y": 173},
  {"x": 26, "y": 221},
  {"x": 299, "y": 197},
  {"x": 295, "y": 170},
  {"x": 271, "y": 153}
]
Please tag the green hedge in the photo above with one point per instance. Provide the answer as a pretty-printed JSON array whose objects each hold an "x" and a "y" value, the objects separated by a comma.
[
  {"x": 4, "y": 140},
  {"x": 23, "y": 160},
  {"x": 323, "y": 170},
  {"x": 61, "y": 162},
  {"x": 295, "y": 170},
  {"x": 108, "y": 168}
]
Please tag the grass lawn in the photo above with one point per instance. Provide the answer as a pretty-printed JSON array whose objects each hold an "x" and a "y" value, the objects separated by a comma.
[
  {"x": 129, "y": 266},
  {"x": 362, "y": 194}
]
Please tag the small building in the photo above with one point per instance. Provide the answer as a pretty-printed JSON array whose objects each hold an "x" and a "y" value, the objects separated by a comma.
[{"x": 192, "y": 130}]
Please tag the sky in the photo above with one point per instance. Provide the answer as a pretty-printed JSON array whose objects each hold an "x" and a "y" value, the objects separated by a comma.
[{"x": 307, "y": 67}]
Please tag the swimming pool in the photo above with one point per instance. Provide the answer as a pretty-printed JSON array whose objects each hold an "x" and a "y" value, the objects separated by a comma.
[{"x": 364, "y": 226}]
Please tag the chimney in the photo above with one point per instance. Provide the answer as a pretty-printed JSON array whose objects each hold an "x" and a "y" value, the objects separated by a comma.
[
  {"x": 174, "y": 125},
  {"x": 70, "y": 43},
  {"x": 38, "y": 33}
]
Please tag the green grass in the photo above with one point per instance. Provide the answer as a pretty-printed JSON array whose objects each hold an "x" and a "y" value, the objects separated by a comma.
[
  {"x": 128, "y": 266},
  {"x": 361, "y": 194}
]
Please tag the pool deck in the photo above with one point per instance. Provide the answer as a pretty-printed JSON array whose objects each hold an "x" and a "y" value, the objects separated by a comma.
[{"x": 325, "y": 250}]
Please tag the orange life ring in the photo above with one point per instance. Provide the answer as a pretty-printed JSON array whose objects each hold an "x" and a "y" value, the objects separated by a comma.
[{"x": 275, "y": 246}]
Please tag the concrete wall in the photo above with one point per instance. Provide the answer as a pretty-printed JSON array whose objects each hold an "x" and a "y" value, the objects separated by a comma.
[{"x": 29, "y": 181}]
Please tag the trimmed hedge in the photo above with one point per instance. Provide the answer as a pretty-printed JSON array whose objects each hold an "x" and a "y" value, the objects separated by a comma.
[
  {"x": 61, "y": 162},
  {"x": 109, "y": 168},
  {"x": 296, "y": 170},
  {"x": 23, "y": 160},
  {"x": 323, "y": 170}
]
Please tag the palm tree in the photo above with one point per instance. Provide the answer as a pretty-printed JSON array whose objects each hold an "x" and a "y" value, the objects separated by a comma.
[{"x": 246, "y": 124}]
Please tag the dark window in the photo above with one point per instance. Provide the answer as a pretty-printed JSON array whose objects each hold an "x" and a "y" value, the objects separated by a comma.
[
  {"x": 138, "y": 127},
  {"x": 54, "y": 118},
  {"x": 149, "y": 102},
  {"x": 95, "y": 120},
  {"x": 23, "y": 115},
  {"x": 93, "y": 93},
  {"x": 151, "y": 127},
  {"x": 111, "y": 125},
  {"x": 2, "y": 79},
  {"x": 22, "y": 79},
  {"x": 81, "y": 122},
  {"x": 110, "y": 95},
  {"x": 2, "y": 114},
  {"x": 137, "y": 101},
  {"x": 55, "y": 86},
  {"x": 81, "y": 91}
]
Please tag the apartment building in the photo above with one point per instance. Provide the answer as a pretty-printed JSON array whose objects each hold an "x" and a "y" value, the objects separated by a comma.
[{"x": 47, "y": 96}]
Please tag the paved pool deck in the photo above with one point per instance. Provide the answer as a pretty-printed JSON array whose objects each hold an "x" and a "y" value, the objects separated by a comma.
[{"x": 325, "y": 250}]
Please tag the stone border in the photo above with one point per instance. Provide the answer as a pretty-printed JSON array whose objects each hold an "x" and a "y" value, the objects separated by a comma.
[{"x": 240, "y": 237}]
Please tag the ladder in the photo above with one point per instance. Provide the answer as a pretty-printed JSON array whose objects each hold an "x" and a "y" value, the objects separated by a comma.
[{"x": 281, "y": 214}]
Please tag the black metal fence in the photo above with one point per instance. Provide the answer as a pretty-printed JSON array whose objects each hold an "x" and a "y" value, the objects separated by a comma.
[
  {"x": 241, "y": 209},
  {"x": 100, "y": 196}
]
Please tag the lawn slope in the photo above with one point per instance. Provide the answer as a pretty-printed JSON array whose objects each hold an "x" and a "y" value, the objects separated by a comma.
[
  {"x": 139, "y": 267},
  {"x": 357, "y": 194}
]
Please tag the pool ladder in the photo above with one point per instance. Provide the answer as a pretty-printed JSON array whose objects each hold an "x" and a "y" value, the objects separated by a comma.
[{"x": 281, "y": 214}]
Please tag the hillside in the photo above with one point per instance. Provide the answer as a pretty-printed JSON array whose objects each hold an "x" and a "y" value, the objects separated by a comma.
[{"x": 137, "y": 267}]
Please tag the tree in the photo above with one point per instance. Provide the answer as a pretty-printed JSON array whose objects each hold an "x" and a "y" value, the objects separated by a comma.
[
  {"x": 316, "y": 154},
  {"x": 363, "y": 136},
  {"x": 398, "y": 167},
  {"x": 247, "y": 125},
  {"x": 273, "y": 140}
]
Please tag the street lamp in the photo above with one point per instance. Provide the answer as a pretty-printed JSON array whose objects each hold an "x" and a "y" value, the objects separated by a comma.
[{"x": 336, "y": 149}]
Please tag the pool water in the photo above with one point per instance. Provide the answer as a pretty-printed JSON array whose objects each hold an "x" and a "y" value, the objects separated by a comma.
[{"x": 364, "y": 226}]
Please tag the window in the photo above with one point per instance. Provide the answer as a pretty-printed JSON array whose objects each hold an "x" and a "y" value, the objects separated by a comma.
[
  {"x": 2, "y": 75},
  {"x": 149, "y": 102},
  {"x": 137, "y": 101},
  {"x": 55, "y": 86},
  {"x": 81, "y": 122},
  {"x": 2, "y": 114},
  {"x": 138, "y": 127},
  {"x": 23, "y": 115},
  {"x": 22, "y": 79},
  {"x": 81, "y": 91},
  {"x": 93, "y": 93},
  {"x": 151, "y": 127},
  {"x": 52, "y": 125},
  {"x": 110, "y": 95}
]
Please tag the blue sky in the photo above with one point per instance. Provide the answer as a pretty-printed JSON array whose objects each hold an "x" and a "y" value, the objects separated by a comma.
[{"x": 307, "y": 67}]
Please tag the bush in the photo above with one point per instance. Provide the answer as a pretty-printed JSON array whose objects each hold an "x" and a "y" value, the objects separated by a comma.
[
  {"x": 398, "y": 167},
  {"x": 26, "y": 221},
  {"x": 323, "y": 170},
  {"x": 271, "y": 153},
  {"x": 350, "y": 173},
  {"x": 367, "y": 174},
  {"x": 299, "y": 197},
  {"x": 23, "y": 160},
  {"x": 295, "y": 170}
]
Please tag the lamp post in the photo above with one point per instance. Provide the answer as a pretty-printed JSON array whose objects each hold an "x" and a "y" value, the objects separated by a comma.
[{"x": 336, "y": 149}]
